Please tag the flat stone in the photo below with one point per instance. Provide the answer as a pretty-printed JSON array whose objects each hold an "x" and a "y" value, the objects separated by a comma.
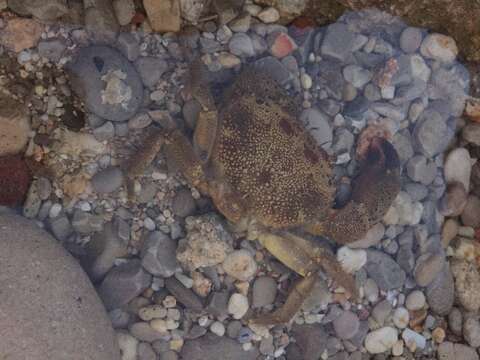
[
  {"x": 158, "y": 254},
  {"x": 411, "y": 39},
  {"x": 274, "y": 68},
  {"x": 123, "y": 283},
  {"x": 107, "y": 180},
  {"x": 183, "y": 295},
  {"x": 311, "y": 340},
  {"x": 431, "y": 133},
  {"x": 150, "y": 70},
  {"x": 337, "y": 42},
  {"x": 384, "y": 271},
  {"x": 439, "y": 47},
  {"x": 128, "y": 45},
  {"x": 346, "y": 325},
  {"x": 330, "y": 77},
  {"x": 458, "y": 167},
  {"x": 318, "y": 124},
  {"x": 164, "y": 15},
  {"x": 421, "y": 170},
  {"x": 264, "y": 291},
  {"x": 107, "y": 82},
  {"x": 51, "y": 49},
  {"x": 82, "y": 328},
  {"x": 357, "y": 76},
  {"x": 241, "y": 45},
  {"x": 381, "y": 340}
]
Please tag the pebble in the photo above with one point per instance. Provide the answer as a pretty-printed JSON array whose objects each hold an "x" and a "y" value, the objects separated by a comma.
[
  {"x": 346, "y": 325},
  {"x": 123, "y": 283},
  {"x": 421, "y": 170},
  {"x": 128, "y": 45},
  {"x": 351, "y": 260},
  {"x": 107, "y": 82},
  {"x": 415, "y": 300},
  {"x": 128, "y": 345},
  {"x": 428, "y": 266},
  {"x": 357, "y": 76},
  {"x": 471, "y": 331},
  {"x": 268, "y": 15},
  {"x": 413, "y": 340},
  {"x": 238, "y": 305},
  {"x": 240, "y": 265},
  {"x": 318, "y": 124},
  {"x": 455, "y": 321},
  {"x": 241, "y": 45},
  {"x": 61, "y": 227},
  {"x": 401, "y": 317},
  {"x": 471, "y": 212},
  {"x": 51, "y": 49},
  {"x": 145, "y": 352},
  {"x": 183, "y": 295},
  {"x": 107, "y": 180},
  {"x": 439, "y": 47},
  {"x": 214, "y": 347},
  {"x": 371, "y": 238},
  {"x": 106, "y": 131},
  {"x": 381, "y": 340},
  {"x": 441, "y": 293},
  {"x": 431, "y": 133},
  {"x": 382, "y": 311},
  {"x": 282, "y": 45},
  {"x": 183, "y": 203},
  {"x": 453, "y": 203},
  {"x": 217, "y": 328},
  {"x": 150, "y": 70},
  {"x": 384, "y": 270},
  {"x": 139, "y": 121},
  {"x": 337, "y": 42},
  {"x": 151, "y": 312},
  {"x": 458, "y": 167},
  {"x": 410, "y": 39},
  {"x": 264, "y": 291},
  {"x": 159, "y": 254}
]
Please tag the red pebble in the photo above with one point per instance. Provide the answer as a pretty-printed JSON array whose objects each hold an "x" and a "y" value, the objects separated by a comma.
[
  {"x": 15, "y": 179},
  {"x": 283, "y": 45}
]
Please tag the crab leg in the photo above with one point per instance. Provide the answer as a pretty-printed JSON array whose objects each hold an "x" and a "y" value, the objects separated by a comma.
[{"x": 305, "y": 258}]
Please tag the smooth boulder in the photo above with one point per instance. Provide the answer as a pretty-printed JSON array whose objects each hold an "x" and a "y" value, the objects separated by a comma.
[{"x": 49, "y": 309}]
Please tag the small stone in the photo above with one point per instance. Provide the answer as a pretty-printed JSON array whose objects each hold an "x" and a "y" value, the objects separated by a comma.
[
  {"x": 217, "y": 328},
  {"x": 471, "y": 331},
  {"x": 415, "y": 300},
  {"x": 264, "y": 291},
  {"x": 351, "y": 260},
  {"x": 151, "y": 70},
  {"x": 164, "y": 15},
  {"x": 139, "y": 121},
  {"x": 282, "y": 45},
  {"x": 144, "y": 332},
  {"x": 241, "y": 45},
  {"x": 145, "y": 352},
  {"x": 85, "y": 223},
  {"x": 274, "y": 68},
  {"x": 20, "y": 34},
  {"x": 306, "y": 81},
  {"x": 238, "y": 305},
  {"x": 455, "y": 321},
  {"x": 338, "y": 42},
  {"x": 381, "y": 312},
  {"x": 128, "y": 45},
  {"x": 61, "y": 227},
  {"x": 441, "y": 293},
  {"x": 105, "y": 131},
  {"x": 346, "y": 325},
  {"x": 458, "y": 167},
  {"x": 151, "y": 312},
  {"x": 431, "y": 133},
  {"x": 240, "y": 265},
  {"x": 413, "y": 340},
  {"x": 453, "y": 203},
  {"x": 387, "y": 273},
  {"x": 123, "y": 283},
  {"x": 404, "y": 211},
  {"x": 51, "y": 49},
  {"x": 356, "y": 75},
  {"x": 401, "y": 317},
  {"x": 318, "y": 124},
  {"x": 381, "y": 340},
  {"x": 183, "y": 203},
  {"x": 185, "y": 296},
  {"x": 218, "y": 304},
  {"x": 471, "y": 212},
  {"x": 128, "y": 345},
  {"x": 214, "y": 347},
  {"x": 421, "y": 170},
  {"x": 158, "y": 254},
  {"x": 439, "y": 47},
  {"x": 410, "y": 39},
  {"x": 428, "y": 267},
  {"x": 228, "y": 60},
  {"x": 107, "y": 180},
  {"x": 268, "y": 15}
]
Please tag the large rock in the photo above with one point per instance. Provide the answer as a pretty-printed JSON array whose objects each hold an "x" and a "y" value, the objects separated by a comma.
[
  {"x": 49, "y": 308},
  {"x": 107, "y": 82}
]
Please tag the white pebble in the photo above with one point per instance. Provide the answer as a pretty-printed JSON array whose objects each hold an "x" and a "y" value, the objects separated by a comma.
[
  {"x": 240, "y": 265},
  {"x": 128, "y": 345},
  {"x": 151, "y": 312},
  {"x": 381, "y": 340},
  {"x": 306, "y": 81},
  {"x": 217, "y": 328},
  {"x": 55, "y": 210},
  {"x": 269, "y": 15},
  {"x": 413, "y": 340},
  {"x": 238, "y": 305},
  {"x": 415, "y": 300},
  {"x": 401, "y": 318},
  {"x": 397, "y": 349},
  {"x": 351, "y": 260},
  {"x": 388, "y": 92}
]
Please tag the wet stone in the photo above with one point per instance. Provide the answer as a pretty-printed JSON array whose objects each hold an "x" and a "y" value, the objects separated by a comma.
[
  {"x": 264, "y": 291},
  {"x": 183, "y": 295},
  {"x": 107, "y": 180},
  {"x": 128, "y": 45},
  {"x": 337, "y": 42},
  {"x": 150, "y": 70},
  {"x": 159, "y": 254},
  {"x": 386, "y": 272},
  {"x": 410, "y": 39}
]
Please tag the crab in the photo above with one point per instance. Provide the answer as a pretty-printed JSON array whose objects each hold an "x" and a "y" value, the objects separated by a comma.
[{"x": 266, "y": 174}]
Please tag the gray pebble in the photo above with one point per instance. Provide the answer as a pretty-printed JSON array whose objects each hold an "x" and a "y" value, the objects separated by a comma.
[
  {"x": 384, "y": 271},
  {"x": 150, "y": 70},
  {"x": 51, "y": 49},
  {"x": 106, "y": 131},
  {"x": 241, "y": 45},
  {"x": 145, "y": 352},
  {"x": 338, "y": 42},
  {"x": 159, "y": 255},
  {"x": 61, "y": 227},
  {"x": 410, "y": 39},
  {"x": 183, "y": 203},
  {"x": 346, "y": 325},
  {"x": 107, "y": 180},
  {"x": 264, "y": 291},
  {"x": 422, "y": 170},
  {"x": 128, "y": 45}
]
